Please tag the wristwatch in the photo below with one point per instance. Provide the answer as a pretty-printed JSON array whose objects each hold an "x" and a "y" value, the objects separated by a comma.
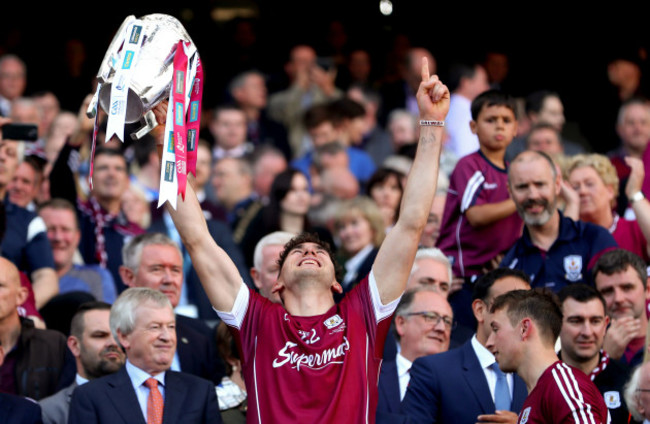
[{"x": 636, "y": 197}]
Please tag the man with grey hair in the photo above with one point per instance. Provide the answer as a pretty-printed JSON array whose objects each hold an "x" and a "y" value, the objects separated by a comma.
[
  {"x": 554, "y": 249},
  {"x": 423, "y": 324},
  {"x": 142, "y": 320},
  {"x": 431, "y": 269},
  {"x": 13, "y": 79},
  {"x": 154, "y": 261},
  {"x": 637, "y": 393},
  {"x": 265, "y": 268}
]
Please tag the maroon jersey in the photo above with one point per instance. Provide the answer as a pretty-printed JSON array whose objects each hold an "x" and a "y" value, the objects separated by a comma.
[
  {"x": 564, "y": 394},
  {"x": 476, "y": 181},
  {"x": 318, "y": 369}
]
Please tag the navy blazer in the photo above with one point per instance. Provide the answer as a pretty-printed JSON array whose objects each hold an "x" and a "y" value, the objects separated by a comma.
[
  {"x": 112, "y": 400},
  {"x": 197, "y": 351},
  {"x": 389, "y": 399},
  {"x": 451, "y": 387},
  {"x": 18, "y": 410}
]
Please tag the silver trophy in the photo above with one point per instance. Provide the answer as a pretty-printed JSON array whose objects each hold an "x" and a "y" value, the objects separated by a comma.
[{"x": 152, "y": 76}]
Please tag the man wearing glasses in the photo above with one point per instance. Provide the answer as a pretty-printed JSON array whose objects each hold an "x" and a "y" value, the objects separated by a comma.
[
  {"x": 464, "y": 385},
  {"x": 423, "y": 324}
]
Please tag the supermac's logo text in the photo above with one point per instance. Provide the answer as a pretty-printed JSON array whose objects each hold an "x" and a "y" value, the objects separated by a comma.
[{"x": 319, "y": 360}]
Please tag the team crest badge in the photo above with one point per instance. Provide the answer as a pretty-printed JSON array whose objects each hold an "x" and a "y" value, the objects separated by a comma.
[
  {"x": 612, "y": 399},
  {"x": 524, "y": 416},
  {"x": 573, "y": 267},
  {"x": 333, "y": 321}
]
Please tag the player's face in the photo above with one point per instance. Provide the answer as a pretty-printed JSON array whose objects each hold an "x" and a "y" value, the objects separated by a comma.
[
  {"x": 495, "y": 127},
  {"x": 504, "y": 340},
  {"x": 432, "y": 274},
  {"x": 99, "y": 352},
  {"x": 623, "y": 292},
  {"x": 421, "y": 335},
  {"x": 266, "y": 277},
  {"x": 152, "y": 343},
  {"x": 583, "y": 329},
  {"x": 501, "y": 286},
  {"x": 161, "y": 268},
  {"x": 534, "y": 190},
  {"x": 307, "y": 263},
  {"x": 63, "y": 234}
]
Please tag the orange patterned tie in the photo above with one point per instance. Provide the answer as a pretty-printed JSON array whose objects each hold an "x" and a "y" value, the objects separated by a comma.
[{"x": 154, "y": 402}]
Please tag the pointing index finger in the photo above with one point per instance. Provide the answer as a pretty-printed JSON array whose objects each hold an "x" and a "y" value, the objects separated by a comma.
[{"x": 425, "y": 69}]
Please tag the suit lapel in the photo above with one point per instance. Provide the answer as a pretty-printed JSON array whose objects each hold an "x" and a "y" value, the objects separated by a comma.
[
  {"x": 475, "y": 378},
  {"x": 520, "y": 392},
  {"x": 174, "y": 397},
  {"x": 123, "y": 397}
]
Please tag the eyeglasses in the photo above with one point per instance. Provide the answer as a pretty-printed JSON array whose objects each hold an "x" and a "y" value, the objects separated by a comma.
[
  {"x": 642, "y": 390},
  {"x": 434, "y": 318}
]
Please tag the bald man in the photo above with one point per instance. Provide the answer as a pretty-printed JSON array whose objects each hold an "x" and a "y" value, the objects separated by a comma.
[{"x": 37, "y": 362}]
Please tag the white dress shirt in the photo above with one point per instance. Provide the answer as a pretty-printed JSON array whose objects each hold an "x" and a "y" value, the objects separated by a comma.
[
  {"x": 138, "y": 377},
  {"x": 486, "y": 359}
]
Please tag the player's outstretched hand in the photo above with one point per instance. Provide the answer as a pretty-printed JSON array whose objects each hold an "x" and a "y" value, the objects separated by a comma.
[{"x": 432, "y": 96}]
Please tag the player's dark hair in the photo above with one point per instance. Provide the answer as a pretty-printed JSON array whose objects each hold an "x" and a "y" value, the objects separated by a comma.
[
  {"x": 308, "y": 238},
  {"x": 618, "y": 260},
  {"x": 493, "y": 98},
  {"x": 540, "y": 305},
  {"x": 484, "y": 284}
]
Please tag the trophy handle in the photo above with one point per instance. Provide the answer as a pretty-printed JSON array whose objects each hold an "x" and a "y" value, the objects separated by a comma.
[{"x": 150, "y": 123}]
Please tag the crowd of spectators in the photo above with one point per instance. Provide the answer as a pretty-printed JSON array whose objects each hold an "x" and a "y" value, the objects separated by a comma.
[{"x": 518, "y": 206}]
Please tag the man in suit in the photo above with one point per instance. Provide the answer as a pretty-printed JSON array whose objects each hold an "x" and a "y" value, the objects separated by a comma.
[
  {"x": 153, "y": 260},
  {"x": 145, "y": 390},
  {"x": 459, "y": 386},
  {"x": 423, "y": 321},
  {"x": 265, "y": 263},
  {"x": 96, "y": 353}
]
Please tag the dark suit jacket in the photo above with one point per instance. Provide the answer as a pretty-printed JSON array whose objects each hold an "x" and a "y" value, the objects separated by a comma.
[
  {"x": 197, "y": 351},
  {"x": 112, "y": 400},
  {"x": 389, "y": 400},
  {"x": 450, "y": 387},
  {"x": 18, "y": 410}
]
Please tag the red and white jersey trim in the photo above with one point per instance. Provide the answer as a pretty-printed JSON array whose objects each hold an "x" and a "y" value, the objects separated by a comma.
[
  {"x": 235, "y": 317},
  {"x": 381, "y": 311},
  {"x": 566, "y": 382}
]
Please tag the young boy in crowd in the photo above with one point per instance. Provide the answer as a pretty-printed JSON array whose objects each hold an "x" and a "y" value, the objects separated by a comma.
[{"x": 480, "y": 220}]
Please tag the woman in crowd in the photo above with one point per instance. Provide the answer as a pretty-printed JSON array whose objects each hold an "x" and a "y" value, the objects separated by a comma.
[
  {"x": 385, "y": 188},
  {"x": 231, "y": 392},
  {"x": 360, "y": 229},
  {"x": 289, "y": 202},
  {"x": 594, "y": 178}
]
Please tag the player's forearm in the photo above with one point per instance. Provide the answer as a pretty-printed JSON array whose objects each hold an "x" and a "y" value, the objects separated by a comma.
[
  {"x": 486, "y": 214},
  {"x": 418, "y": 197},
  {"x": 45, "y": 284}
]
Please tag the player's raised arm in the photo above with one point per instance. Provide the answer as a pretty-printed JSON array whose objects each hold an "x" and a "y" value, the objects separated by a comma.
[
  {"x": 217, "y": 272},
  {"x": 395, "y": 257}
]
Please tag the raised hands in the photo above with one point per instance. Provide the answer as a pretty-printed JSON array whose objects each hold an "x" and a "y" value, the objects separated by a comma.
[{"x": 432, "y": 96}]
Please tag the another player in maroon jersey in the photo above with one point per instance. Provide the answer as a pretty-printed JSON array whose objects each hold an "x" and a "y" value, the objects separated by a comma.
[
  {"x": 310, "y": 360},
  {"x": 525, "y": 325}
]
